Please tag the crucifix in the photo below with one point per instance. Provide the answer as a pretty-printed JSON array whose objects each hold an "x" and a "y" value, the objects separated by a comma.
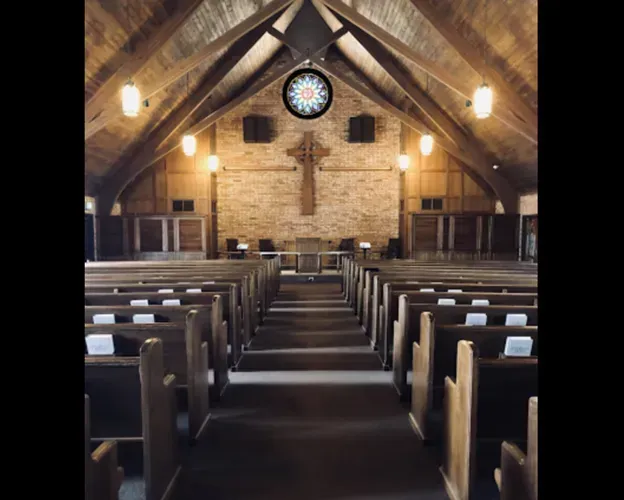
[{"x": 307, "y": 155}]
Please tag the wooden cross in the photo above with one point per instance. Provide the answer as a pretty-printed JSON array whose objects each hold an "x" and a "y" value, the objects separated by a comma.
[{"x": 307, "y": 155}]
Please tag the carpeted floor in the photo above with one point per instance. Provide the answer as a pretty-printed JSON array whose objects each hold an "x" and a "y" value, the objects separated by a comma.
[{"x": 310, "y": 415}]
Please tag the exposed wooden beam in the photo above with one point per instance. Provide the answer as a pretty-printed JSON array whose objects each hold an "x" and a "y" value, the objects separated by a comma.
[
  {"x": 143, "y": 54},
  {"x": 501, "y": 187},
  {"x": 145, "y": 152},
  {"x": 278, "y": 35},
  {"x": 428, "y": 106},
  {"x": 113, "y": 111},
  {"x": 504, "y": 93},
  {"x": 454, "y": 83}
]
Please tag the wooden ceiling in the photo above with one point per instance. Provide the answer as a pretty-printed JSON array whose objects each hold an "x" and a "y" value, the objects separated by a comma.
[{"x": 386, "y": 48}]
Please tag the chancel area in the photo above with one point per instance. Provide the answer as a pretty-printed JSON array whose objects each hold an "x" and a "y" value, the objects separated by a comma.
[{"x": 292, "y": 208}]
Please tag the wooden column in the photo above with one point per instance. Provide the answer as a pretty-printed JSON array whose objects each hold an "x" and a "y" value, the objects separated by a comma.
[
  {"x": 137, "y": 235},
  {"x": 176, "y": 235},
  {"x": 165, "y": 235}
]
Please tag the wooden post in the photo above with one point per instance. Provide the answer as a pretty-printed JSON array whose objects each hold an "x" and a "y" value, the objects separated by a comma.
[
  {"x": 165, "y": 236},
  {"x": 137, "y": 235},
  {"x": 176, "y": 235}
]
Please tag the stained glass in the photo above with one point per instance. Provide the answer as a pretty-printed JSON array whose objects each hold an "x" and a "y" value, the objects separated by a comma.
[{"x": 307, "y": 93}]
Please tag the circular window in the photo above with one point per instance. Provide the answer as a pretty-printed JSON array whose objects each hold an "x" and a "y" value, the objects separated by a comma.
[{"x": 307, "y": 93}]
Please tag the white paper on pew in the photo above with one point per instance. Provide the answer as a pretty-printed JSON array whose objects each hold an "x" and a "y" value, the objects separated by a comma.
[
  {"x": 516, "y": 320},
  {"x": 104, "y": 319},
  {"x": 193, "y": 290},
  {"x": 476, "y": 319},
  {"x": 208, "y": 283},
  {"x": 446, "y": 302},
  {"x": 139, "y": 302},
  {"x": 143, "y": 318},
  {"x": 455, "y": 290},
  {"x": 427, "y": 289},
  {"x": 100, "y": 344},
  {"x": 171, "y": 302},
  {"x": 480, "y": 302},
  {"x": 165, "y": 290},
  {"x": 518, "y": 346}
]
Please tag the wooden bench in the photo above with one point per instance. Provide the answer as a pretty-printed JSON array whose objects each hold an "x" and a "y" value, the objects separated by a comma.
[
  {"x": 103, "y": 476},
  {"x": 187, "y": 355},
  {"x": 384, "y": 295},
  {"x": 133, "y": 403},
  {"x": 485, "y": 406},
  {"x": 250, "y": 321},
  {"x": 434, "y": 358},
  {"x": 407, "y": 328},
  {"x": 232, "y": 312},
  {"x": 516, "y": 477},
  {"x": 391, "y": 293}
]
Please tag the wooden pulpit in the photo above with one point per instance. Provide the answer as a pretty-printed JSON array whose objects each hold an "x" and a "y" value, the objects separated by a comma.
[{"x": 308, "y": 263}]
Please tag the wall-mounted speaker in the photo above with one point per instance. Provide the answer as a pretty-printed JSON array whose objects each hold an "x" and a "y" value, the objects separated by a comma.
[
  {"x": 256, "y": 129},
  {"x": 362, "y": 129}
]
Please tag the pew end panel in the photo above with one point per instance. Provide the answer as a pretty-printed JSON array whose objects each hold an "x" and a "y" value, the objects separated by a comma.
[
  {"x": 103, "y": 476},
  {"x": 459, "y": 433},
  {"x": 160, "y": 439},
  {"x": 422, "y": 375},
  {"x": 532, "y": 449},
  {"x": 399, "y": 358},
  {"x": 384, "y": 334},
  {"x": 510, "y": 476},
  {"x": 198, "y": 383}
]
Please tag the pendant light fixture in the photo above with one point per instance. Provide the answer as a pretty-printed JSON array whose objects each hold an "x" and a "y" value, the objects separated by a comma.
[
  {"x": 130, "y": 95},
  {"x": 189, "y": 143},
  {"x": 426, "y": 141},
  {"x": 130, "y": 99},
  {"x": 483, "y": 94}
]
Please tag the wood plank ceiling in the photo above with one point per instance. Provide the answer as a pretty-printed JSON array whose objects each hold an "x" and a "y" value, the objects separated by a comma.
[{"x": 116, "y": 29}]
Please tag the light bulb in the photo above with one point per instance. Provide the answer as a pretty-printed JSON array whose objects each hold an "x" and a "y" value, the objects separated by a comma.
[
  {"x": 189, "y": 145},
  {"x": 213, "y": 163},
  {"x": 483, "y": 101},
  {"x": 130, "y": 99},
  {"x": 426, "y": 144},
  {"x": 404, "y": 161}
]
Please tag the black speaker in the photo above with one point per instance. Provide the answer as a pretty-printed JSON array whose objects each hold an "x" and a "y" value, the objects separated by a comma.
[
  {"x": 362, "y": 129},
  {"x": 256, "y": 129},
  {"x": 249, "y": 129}
]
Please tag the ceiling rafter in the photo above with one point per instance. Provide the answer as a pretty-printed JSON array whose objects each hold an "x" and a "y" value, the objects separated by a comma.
[
  {"x": 428, "y": 106},
  {"x": 454, "y": 83},
  {"x": 501, "y": 187},
  {"x": 143, "y": 54},
  {"x": 504, "y": 93},
  {"x": 113, "y": 111}
]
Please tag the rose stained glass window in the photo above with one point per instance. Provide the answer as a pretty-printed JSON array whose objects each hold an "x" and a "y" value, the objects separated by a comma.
[{"x": 307, "y": 93}]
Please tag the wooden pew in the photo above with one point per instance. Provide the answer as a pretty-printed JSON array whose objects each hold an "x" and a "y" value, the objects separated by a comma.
[
  {"x": 103, "y": 476},
  {"x": 249, "y": 319},
  {"x": 232, "y": 312},
  {"x": 483, "y": 407},
  {"x": 516, "y": 477},
  {"x": 434, "y": 359},
  {"x": 187, "y": 356},
  {"x": 390, "y": 299},
  {"x": 385, "y": 292},
  {"x": 132, "y": 403},
  {"x": 407, "y": 328},
  {"x": 366, "y": 303}
]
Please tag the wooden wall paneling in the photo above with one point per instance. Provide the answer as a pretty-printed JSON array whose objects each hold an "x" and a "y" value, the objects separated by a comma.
[
  {"x": 505, "y": 233},
  {"x": 425, "y": 233},
  {"x": 190, "y": 235},
  {"x": 151, "y": 235},
  {"x": 126, "y": 239},
  {"x": 111, "y": 240},
  {"x": 214, "y": 237},
  {"x": 466, "y": 233},
  {"x": 170, "y": 234}
]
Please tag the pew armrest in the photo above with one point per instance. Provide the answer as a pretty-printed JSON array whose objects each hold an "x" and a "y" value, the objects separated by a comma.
[{"x": 107, "y": 475}]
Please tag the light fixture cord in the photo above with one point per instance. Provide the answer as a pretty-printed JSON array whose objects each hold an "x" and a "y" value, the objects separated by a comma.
[{"x": 485, "y": 47}]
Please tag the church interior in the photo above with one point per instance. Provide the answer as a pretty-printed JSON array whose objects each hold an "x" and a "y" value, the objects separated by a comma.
[{"x": 311, "y": 250}]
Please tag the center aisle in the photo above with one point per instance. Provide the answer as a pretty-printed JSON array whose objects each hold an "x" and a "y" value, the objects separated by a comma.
[{"x": 310, "y": 415}]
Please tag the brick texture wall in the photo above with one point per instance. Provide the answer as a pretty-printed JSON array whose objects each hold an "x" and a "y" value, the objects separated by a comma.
[{"x": 361, "y": 205}]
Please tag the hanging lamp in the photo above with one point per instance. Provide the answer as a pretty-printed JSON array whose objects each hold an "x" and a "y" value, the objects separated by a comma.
[
  {"x": 426, "y": 140},
  {"x": 483, "y": 95},
  {"x": 130, "y": 95},
  {"x": 189, "y": 143}
]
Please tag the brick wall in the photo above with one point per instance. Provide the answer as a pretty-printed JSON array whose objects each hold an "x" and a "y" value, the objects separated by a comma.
[{"x": 254, "y": 205}]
